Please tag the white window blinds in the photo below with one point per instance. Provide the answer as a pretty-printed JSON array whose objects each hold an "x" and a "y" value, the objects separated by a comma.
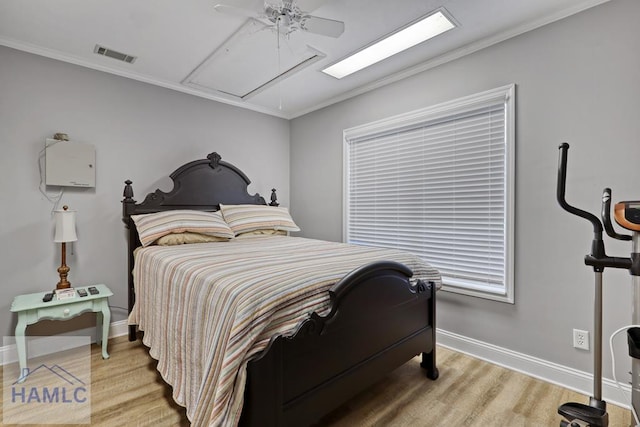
[{"x": 437, "y": 185}]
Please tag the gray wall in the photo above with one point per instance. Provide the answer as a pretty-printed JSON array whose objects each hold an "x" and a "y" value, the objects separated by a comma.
[
  {"x": 140, "y": 132},
  {"x": 577, "y": 81}
]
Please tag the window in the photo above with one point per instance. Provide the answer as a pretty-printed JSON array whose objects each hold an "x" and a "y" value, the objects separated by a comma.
[{"x": 439, "y": 182}]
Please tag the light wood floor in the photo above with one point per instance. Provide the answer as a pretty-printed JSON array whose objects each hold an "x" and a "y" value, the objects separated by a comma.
[{"x": 126, "y": 390}]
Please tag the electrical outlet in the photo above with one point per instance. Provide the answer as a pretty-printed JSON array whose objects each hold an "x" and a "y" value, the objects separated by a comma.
[{"x": 581, "y": 339}]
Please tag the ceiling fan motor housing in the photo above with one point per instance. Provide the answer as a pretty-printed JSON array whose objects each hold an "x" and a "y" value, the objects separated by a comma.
[{"x": 287, "y": 16}]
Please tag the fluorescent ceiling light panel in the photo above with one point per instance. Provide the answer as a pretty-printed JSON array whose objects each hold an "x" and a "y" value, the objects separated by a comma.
[{"x": 416, "y": 33}]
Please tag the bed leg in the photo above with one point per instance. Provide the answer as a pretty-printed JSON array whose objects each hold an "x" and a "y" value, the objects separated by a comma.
[
  {"x": 132, "y": 333},
  {"x": 429, "y": 359},
  {"x": 429, "y": 363}
]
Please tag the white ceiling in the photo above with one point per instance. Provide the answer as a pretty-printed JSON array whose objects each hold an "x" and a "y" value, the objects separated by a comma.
[{"x": 172, "y": 38}]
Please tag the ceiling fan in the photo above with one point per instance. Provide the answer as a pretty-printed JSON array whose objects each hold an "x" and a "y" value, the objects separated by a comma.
[{"x": 287, "y": 17}]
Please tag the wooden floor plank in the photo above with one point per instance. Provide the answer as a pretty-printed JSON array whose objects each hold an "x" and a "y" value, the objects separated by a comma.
[{"x": 126, "y": 390}]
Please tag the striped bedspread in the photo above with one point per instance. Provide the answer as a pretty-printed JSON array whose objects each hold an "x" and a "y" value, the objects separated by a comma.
[{"x": 207, "y": 308}]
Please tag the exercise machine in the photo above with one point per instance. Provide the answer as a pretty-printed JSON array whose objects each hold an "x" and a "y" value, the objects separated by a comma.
[{"x": 627, "y": 215}]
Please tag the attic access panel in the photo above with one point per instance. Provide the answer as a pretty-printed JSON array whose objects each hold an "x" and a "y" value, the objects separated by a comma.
[{"x": 247, "y": 62}]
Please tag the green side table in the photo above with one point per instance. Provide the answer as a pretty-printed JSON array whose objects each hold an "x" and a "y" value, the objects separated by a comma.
[{"x": 31, "y": 309}]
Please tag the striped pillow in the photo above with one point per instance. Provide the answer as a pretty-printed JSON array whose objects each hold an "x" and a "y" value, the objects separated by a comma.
[
  {"x": 153, "y": 226},
  {"x": 246, "y": 218}
]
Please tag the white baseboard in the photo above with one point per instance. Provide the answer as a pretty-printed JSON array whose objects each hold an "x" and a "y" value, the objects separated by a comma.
[
  {"x": 41, "y": 346},
  {"x": 573, "y": 379},
  {"x": 119, "y": 328}
]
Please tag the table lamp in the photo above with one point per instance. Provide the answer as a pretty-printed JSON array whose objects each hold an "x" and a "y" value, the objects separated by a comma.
[{"x": 65, "y": 232}]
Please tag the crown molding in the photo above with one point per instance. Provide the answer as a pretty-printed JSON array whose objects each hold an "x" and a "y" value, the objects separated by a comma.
[
  {"x": 411, "y": 71},
  {"x": 57, "y": 55},
  {"x": 453, "y": 55}
]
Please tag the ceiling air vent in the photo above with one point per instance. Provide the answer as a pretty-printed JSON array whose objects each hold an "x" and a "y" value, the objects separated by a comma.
[{"x": 101, "y": 50}]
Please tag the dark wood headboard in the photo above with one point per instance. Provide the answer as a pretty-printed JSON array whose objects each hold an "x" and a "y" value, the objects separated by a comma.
[{"x": 200, "y": 185}]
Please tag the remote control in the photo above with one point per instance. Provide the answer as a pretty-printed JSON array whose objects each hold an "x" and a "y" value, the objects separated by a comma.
[
  {"x": 47, "y": 297},
  {"x": 82, "y": 292},
  {"x": 93, "y": 290}
]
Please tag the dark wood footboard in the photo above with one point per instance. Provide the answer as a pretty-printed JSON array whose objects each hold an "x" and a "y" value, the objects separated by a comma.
[{"x": 379, "y": 320}]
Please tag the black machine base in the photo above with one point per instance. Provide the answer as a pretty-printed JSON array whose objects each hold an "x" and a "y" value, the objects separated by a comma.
[
  {"x": 633, "y": 338},
  {"x": 578, "y": 414}
]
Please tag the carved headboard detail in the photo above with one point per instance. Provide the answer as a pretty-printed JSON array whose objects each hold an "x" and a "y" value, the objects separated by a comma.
[{"x": 200, "y": 185}]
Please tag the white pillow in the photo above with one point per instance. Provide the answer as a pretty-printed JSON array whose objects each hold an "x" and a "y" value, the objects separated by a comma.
[{"x": 188, "y": 238}]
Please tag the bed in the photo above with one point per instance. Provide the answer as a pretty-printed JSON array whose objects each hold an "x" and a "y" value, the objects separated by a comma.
[{"x": 235, "y": 347}]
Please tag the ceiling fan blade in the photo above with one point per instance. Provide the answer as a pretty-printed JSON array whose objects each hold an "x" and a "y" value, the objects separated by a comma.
[
  {"x": 310, "y": 5},
  {"x": 236, "y": 11},
  {"x": 322, "y": 26}
]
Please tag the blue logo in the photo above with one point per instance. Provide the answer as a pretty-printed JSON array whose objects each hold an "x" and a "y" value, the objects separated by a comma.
[{"x": 70, "y": 389}]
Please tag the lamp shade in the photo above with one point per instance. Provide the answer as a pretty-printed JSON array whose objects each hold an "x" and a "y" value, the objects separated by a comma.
[{"x": 65, "y": 226}]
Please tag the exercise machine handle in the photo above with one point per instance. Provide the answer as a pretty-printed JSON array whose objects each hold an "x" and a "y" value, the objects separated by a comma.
[
  {"x": 597, "y": 259},
  {"x": 597, "y": 246},
  {"x": 606, "y": 217},
  {"x": 562, "y": 183}
]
